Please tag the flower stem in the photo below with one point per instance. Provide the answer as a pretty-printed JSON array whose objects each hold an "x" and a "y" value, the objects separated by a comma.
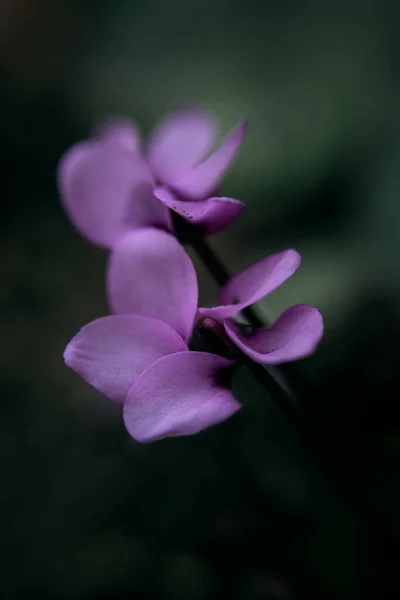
[{"x": 276, "y": 383}]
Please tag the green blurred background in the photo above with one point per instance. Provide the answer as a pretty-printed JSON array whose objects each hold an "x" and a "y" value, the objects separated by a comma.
[{"x": 240, "y": 511}]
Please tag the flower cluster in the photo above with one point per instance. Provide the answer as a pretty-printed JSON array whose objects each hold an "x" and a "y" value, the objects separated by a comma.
[
  {"x": 110, "y": 184},
  {"x": 144, "y": 354}
]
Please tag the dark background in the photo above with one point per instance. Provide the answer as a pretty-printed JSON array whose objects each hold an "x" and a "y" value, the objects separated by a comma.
[{"x": 240, "y": 511}]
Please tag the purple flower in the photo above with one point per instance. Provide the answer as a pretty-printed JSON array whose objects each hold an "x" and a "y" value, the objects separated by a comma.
[
  {"x": 140, "y": 356},
  {"x": 294, "y": 335},
  {"x": 109, "y": 186}
]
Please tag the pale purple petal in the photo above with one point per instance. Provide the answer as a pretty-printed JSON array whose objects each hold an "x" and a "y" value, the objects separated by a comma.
[
  {"x": 107, "y": 190},
  {"x": 294, "y": 335},
  {"x": 110, "y": 353},
  {"x": 203, "y": 180},
  {"x": 254, "y": 283},
  {"x": 179, "y": 142},
  {"x": 213, "y": 214},
  {"x": 150, "y": 274},
  {"x": 120, "y": 131},
  {"x": 178, "y": 395}
]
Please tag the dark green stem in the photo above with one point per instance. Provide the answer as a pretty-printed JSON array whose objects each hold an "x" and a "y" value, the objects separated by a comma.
[{"x": 276, "y": 384}]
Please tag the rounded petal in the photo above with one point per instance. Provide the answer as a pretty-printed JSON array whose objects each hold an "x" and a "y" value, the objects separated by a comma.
[
  {"x": 150, "y": 274},
  {"x": 178, "y": 395},
  {"x": 213, "y": 214},
  {"x": 179, "y": 142},
  {"x": 107, "y": 190},
  {"x": 203, "y": 180},
  {"x": 254, "y": 283},
  {"x": 120, "y": 131},
  {"x": 294, "y": 335},
  {"x": 110, "y": 353}
]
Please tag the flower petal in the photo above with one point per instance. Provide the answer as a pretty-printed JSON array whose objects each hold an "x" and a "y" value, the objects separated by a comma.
[
  {"x": 179, "y": 142},
  {"x": 294, "y": 335},
  {"x": 213, "y": 214},
  {"x": 107, "y": 190},
  {"x": 203, "y": 180},
  {"x": 150, "y": 274},
  {"x": 254, "y": 283},
  {"x": 110, "y": 353},
  {"x": 178, "y": 395},
  {"x": 120, "y": 131}
]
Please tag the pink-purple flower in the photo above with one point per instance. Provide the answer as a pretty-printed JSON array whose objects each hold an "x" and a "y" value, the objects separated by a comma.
[
  {"x": 140, "y": 356},
  {"x": 110, "y": 184}
]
